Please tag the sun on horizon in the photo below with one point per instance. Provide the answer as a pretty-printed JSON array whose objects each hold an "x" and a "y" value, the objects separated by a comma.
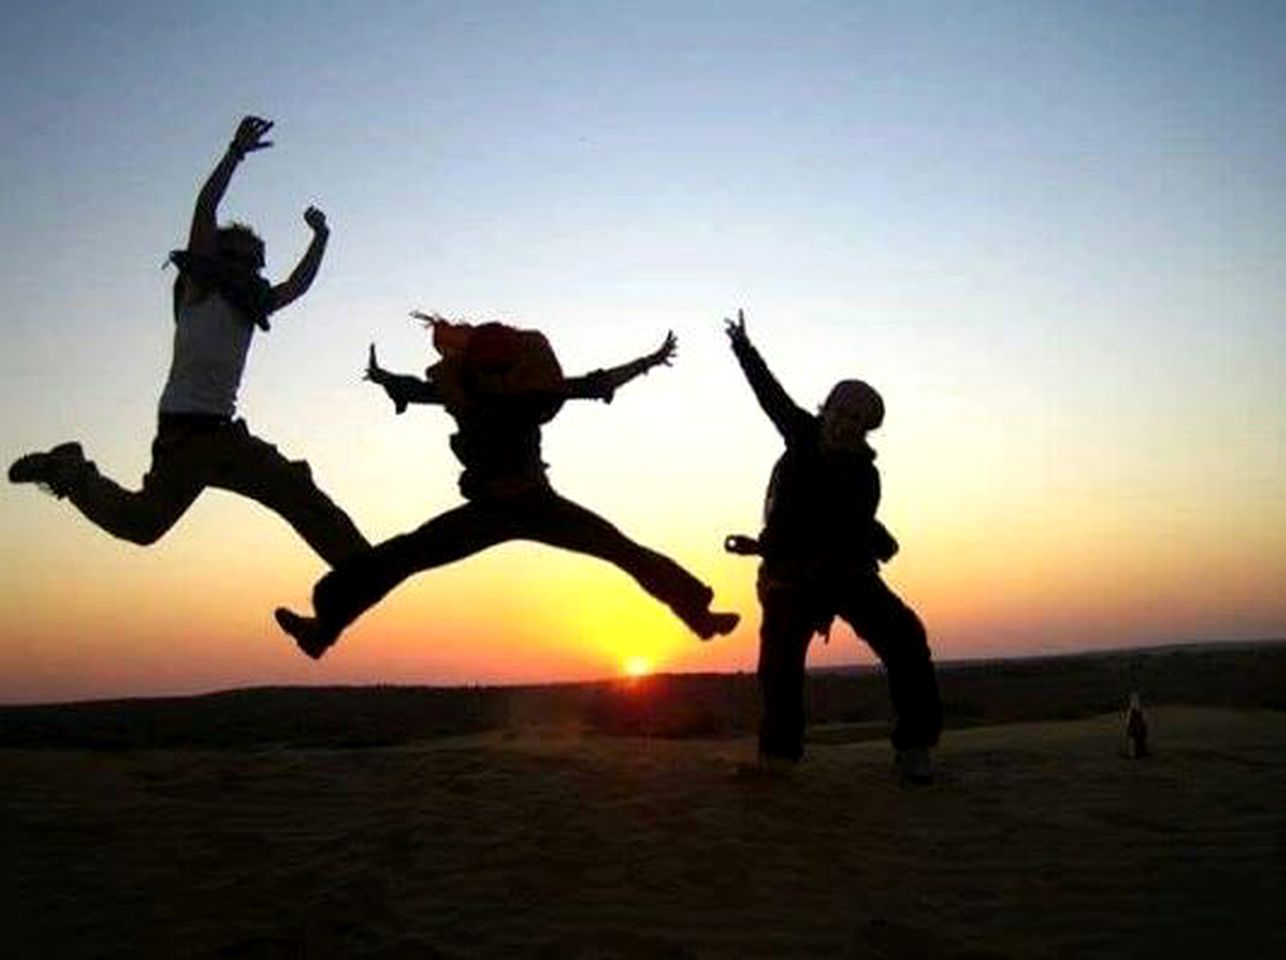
[{"x": 636, "y": 667}]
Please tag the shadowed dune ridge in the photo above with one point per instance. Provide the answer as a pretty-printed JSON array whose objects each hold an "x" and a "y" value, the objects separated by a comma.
[{"x": 844, "y": 704}]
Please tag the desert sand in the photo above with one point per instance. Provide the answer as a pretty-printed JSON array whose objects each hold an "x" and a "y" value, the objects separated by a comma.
[{"x": 1039, "y": 840}]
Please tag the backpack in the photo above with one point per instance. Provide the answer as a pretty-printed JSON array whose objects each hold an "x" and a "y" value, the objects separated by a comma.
[{"x": 495, "y": 362}]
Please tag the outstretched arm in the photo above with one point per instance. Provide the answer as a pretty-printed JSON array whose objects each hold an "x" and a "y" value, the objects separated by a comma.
[
  {"x": 602, "y": 384},
  {"x": 301, "y": 278},
  {"x": 783, "y": 411},
  {"x": 401, "y": 388},
  {"x": 203, "y": 234}
]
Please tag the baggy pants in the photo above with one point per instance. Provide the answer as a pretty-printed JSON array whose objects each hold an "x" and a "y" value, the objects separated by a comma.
[
  {"x": 793, "y": 612},
  {"x": 191, "y": 453},
  {"x": 538, "y": 514}
]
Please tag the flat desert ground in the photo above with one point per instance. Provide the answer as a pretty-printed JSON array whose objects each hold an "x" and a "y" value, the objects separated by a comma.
[{"x": 547, "y": 841}]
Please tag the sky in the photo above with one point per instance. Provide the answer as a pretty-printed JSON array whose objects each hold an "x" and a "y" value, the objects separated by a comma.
[{"x": 1050, "y": 233}]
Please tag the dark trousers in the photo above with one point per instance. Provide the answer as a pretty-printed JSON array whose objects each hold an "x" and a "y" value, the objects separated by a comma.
[
  {"x": 792, "y": 613},
  {"x": 537, "y": 514},
  {"x": 191, "y": 453}
]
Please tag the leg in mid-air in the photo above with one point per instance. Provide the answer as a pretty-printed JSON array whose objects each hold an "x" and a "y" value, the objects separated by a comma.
[
  {"x": 541, "y": 515},
  {"x": 896, "y": 635},
  {"x": 353, "y": 587},
  {"x": 559, "y": 522},
  {"x": 256, "y": 469},
  {"x": 188, "y": 455},
  {"x": 138, "y": 516}
]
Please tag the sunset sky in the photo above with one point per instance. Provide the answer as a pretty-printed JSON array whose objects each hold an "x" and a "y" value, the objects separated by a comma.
[{"x": 1052, "y": 234}]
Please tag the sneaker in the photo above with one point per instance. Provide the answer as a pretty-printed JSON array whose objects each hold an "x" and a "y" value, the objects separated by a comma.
[
  {"x": 709, "y": 624},
  {"x": 307, "y": 632},
  {"x": 915, "y": 767},
  {"x": 54, "y": 471}
]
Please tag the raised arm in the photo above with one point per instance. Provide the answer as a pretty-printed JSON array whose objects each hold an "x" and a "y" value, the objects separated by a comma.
[
  {"x": 301, "y": 278},
  {"x": 785, "y": 414},
  {"x": 402, "y": 389},
  {"x": 602, "y": 384},
  {"x": 203, "y": 234}
]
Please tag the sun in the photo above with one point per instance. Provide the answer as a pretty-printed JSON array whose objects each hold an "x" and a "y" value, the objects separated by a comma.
[{"x": 637, "y": 667}]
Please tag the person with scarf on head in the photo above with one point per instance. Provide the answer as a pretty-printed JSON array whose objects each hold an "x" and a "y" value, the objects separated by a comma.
[
  {"x": 821, "y": 547},
  {"x": 220, "y": 298},
  {"x": 500, "y": 385}
]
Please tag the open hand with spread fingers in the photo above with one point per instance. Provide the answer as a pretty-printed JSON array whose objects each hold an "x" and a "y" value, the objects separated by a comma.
[{"x": 250, "y": 135}]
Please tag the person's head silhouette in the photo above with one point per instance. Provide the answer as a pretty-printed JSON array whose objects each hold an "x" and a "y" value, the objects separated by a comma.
[
  {"x": 239, "y": 245},
  {"x": 852, "y": 408}
]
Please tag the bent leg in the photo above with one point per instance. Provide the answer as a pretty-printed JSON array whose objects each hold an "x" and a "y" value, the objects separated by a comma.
[
  {"x": 787, "y": 628},
  {"x": 353, "y": 587},
  {"x": 895, "y": 633},
  {"x": 557, "y": 521},
  {"x": 142, "y": 516},
  {"x": 257, "y": 469}
]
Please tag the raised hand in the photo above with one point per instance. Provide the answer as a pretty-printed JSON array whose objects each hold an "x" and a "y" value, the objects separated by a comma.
[
  {"x": 316, "y": 221},
  {"x": 374, "y": 372},
  {"x": 250, "y": 135},
  {"x": 666, "y": 352},
  {"x": 393, "y": 386},
  {"x": 736, "y": 331}
]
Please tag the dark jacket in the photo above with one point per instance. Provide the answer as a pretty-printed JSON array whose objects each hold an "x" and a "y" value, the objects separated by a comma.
[
  {"x": 498, "y": 437},
  {"x": 819, "y": 510},
  {"x": 499, "y": 447}
]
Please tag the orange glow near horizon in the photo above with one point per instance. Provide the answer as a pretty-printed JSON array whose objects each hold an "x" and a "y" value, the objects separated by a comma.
[{"x": 1034, "y": 571}]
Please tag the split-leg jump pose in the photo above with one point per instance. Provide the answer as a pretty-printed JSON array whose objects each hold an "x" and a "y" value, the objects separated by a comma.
[
  {"x": 220, "y": 298},
  {"x": 500, "y": 385},
  {"x": 821, "y": 547}
]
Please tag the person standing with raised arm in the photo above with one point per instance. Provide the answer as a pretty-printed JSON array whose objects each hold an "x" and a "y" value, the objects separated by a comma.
[
  {"x": 220, "y": 298},
  {"x": 500, "y": 385},
  {"x": 821, "y": 547}
]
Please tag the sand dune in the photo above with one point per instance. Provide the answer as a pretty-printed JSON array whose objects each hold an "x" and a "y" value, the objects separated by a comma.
[{"x": 1040, "y": 841}]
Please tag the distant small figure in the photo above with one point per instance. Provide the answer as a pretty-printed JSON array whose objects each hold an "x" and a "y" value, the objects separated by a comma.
[
  {"x": 220, "y": 299},
  {"x": 1136, "y": 728},
  {"x": 821, "y": 547},
  {"x": 500, "y": 385}
]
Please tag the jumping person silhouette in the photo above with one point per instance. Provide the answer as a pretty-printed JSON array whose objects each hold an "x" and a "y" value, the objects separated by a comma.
[
  {"x": 500, "y": 385},
  {"x": 821, "y": 547},
  {"x": 220, "y": 298}
]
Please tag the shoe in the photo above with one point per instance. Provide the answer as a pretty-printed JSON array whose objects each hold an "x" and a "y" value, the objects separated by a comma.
[
  {"x": 54, "y": 471},
  {"x": 708, "y": 624},
  {"x": 915, "y": 767},
  {"x": 307, "y": 632}
]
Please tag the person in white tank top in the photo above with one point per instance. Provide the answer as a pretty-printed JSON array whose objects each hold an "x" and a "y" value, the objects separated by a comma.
[
  {"x": 211, "y": 340},
  {"x": 220, "y": 297}
]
